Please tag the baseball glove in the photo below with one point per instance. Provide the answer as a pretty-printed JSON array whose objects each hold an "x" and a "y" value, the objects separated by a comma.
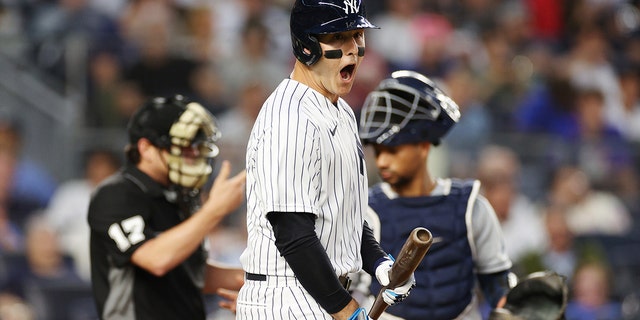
[{"x": 539, "y": 296}]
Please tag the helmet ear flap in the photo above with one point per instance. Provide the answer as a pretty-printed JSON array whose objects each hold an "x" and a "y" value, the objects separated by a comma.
[{"x": 306, "y": 48}]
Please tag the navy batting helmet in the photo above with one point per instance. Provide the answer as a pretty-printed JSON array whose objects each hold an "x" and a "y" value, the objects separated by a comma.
[
  {"x": 407, "y": 108},
  {"x": 310, "y": 18}
]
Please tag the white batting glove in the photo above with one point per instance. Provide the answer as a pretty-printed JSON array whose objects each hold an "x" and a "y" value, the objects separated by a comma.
[
  {"x": 392, "y": 296},
  {"x": 395, "y": 295},
  {"x": 382, "y": 270}
]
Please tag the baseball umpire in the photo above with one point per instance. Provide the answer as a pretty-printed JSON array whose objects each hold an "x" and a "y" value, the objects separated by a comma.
[
  {"x": 147, "y": 224},
  {"x": 402, "y": 119},
  {"x": 306, "y": 179}
]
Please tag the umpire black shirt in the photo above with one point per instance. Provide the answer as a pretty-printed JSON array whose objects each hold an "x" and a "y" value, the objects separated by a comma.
[{"x": 128, "y": 209}]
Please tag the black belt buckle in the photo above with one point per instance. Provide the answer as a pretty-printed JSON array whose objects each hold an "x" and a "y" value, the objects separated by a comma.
[
  {"x": 345, "y": 281},
  {"x": 255, "y": 276}
]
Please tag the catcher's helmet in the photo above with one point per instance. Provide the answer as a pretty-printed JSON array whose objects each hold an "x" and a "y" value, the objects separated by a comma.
[
  {"x": 186, "y": 130},
  {"x": 407, "y": 108},
  {"x": 313, "y": 17}
]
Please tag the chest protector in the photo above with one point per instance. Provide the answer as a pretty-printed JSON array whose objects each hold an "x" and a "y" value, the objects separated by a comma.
[{"x": 445, "y": 278}]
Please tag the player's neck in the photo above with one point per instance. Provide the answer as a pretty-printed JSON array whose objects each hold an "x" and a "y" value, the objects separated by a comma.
[
  {"x": 305, "y": 75},
  {"x": 428, "y": 186},
  {"x": 421, "y": 186}
]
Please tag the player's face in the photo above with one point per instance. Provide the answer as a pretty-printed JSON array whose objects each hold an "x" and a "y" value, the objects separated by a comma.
[
  {"x": 400, "y": 165},
  {"x": 153, "y": 161},
  {"x": 335, "y": 77}
]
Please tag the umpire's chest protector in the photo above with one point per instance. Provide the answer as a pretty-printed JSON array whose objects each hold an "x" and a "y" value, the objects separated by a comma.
[{"x": 445, "y": 278}]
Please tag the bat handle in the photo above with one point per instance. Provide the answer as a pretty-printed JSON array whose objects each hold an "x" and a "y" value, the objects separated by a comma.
[{"x": 378, "y": 306}]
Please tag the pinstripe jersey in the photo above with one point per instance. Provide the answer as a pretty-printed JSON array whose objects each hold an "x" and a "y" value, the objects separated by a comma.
[{"x": 304, "y": 155}]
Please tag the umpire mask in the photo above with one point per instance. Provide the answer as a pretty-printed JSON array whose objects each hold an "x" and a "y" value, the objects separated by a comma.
[
  {"x": 193, "y": 147},
  {"x": 186, "y": 130}
]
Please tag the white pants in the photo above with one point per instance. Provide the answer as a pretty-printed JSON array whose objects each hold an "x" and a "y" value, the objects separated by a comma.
[{"x": 277, "y": 298}]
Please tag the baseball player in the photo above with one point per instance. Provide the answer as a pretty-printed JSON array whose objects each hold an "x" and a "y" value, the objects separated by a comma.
[
  {"x": 403, "y": 118},
  {"x": 306, "y": 179},
  {"x": 147, "y": 224}
]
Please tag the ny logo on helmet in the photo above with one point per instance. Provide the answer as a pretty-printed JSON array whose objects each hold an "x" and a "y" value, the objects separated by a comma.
[{"x": 351, "y": 6}]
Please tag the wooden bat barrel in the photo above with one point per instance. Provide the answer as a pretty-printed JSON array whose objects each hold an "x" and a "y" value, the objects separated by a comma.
[{"x": 410, "y": 256}]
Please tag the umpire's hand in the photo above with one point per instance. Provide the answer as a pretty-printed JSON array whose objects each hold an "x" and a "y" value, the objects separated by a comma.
[{"x": 226, "y": 194}]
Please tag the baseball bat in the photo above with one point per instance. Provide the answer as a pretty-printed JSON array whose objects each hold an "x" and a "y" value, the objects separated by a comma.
[{"x": 409, "y": 257}]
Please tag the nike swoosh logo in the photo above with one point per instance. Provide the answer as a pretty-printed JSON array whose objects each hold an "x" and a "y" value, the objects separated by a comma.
[{"x": 333, "y": 132}]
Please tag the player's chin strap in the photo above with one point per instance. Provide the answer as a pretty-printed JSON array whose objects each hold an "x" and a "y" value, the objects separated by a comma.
[{"x": 337, "y": 53}]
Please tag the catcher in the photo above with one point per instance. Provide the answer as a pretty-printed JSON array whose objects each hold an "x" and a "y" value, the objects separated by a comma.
[{"x": 403, "y": 119}]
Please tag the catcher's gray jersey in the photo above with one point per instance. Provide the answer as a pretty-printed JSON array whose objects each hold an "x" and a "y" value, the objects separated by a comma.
[{"x": 304, "y": 155}]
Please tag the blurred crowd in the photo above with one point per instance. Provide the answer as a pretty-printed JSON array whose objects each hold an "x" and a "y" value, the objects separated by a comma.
[{"x": 549, "y": 92}]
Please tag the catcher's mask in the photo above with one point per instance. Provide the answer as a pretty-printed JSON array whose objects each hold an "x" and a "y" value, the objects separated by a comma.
[
  {"x": 186, "y": 130},
  {"x": 407, "y": 108}
]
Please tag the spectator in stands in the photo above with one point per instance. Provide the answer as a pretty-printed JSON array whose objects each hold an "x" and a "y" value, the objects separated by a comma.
[
  {"x": 139, "y": 17},
  {"x": 398, "y": 41},
  {"x": 200, "y": 32},
  {"x": 230, "y": 17},
  {"x": 629, "y": 77},
  {"x": 627, "y": 188},
  {"x": 69, "y": 28},
  {"x": 105, "y": 72},
  {"x": 499, "y": 171},
  {"x": 559, "y": 253},
  {"x": 67, "y": 212},
  {"x": 27, "y": 186},
  {"x": 160, "y": 68},
  {"x": 236, "y": 125},
  {"x": 12, "y": 35},
  {"x": 548, "y": 107},
  {"x": 588, "y": 211},
  {"x": 590, "y": 67},
  {"x": 13, "y": 307},
  {"x": 596, "y": 146},
  {"x": 473, "y": 132},
  {"x": 11, "y": 238},
  {"x": 210, "y": 89},
  {"x": 591, "y": 294},
  {"x": 434, "y": 33},
  {"x": 501, "y": 87},
  {"x": 250, "y": 61},
  {"x": 43, "y": 266}
]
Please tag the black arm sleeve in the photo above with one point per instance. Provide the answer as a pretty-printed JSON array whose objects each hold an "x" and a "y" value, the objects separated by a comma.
[
  {"x": 370, "y": 250},
  {"x": 298, "y": 243},
  {"x": 494, "y": 286}
]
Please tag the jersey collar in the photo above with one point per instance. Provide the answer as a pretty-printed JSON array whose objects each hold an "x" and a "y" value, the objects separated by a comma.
[
  {"x": 442, "y": 188},
  {"x": 144, "y": 182}
]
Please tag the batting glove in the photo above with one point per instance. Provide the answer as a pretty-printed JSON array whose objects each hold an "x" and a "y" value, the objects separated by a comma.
[
  {"x": 359, "y": 314},
  {"x": 392, "y": 296}
]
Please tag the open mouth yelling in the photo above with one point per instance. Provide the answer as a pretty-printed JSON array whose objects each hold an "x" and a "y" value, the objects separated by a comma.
[{"x": 346, "y": 73}]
